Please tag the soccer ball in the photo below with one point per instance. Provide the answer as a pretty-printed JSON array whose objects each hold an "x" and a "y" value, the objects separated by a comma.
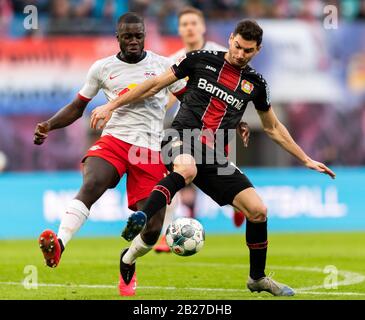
[{"x": 185, "y": 236}]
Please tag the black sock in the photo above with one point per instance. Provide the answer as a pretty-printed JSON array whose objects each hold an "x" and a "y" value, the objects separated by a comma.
[
  {"x": 256, "y": 240},
  {"x": 163, "y": 193},
  {"x": 61, "y": 245}
]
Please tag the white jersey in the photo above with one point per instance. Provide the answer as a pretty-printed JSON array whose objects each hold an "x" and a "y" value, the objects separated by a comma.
[
  {"x": 141, "y": 123},
  {"x": 209, "y": 45}
]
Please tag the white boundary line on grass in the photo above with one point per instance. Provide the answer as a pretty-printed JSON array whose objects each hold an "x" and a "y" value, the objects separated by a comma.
[
  {"x": 350, "y": 278},
  {"x": 107, "y": 286}
]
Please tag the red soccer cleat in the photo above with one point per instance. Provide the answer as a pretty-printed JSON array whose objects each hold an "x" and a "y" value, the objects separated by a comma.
[
  {"x": 127, "y": 289},
  {"x": 162, "y": 246},
  {"x": 238, "y": 218},
  {"x": 51, "y": 248},
  {"x": 127, "y": 277}
]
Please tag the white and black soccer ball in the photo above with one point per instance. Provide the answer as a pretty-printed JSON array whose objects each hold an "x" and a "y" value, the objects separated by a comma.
[{"x": 185, "y": 236}]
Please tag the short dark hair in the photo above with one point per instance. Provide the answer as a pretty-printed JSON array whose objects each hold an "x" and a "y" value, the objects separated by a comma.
[
  {"x": 130, "y": 17},
  {"x": 249, "y": 30},
  {"x": 189, "y": 9}
]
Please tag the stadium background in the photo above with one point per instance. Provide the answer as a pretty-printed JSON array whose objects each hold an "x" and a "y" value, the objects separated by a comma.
[{"x": 317, "y": 81}]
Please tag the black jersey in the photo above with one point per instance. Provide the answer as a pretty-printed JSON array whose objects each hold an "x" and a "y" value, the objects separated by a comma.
[{"x": 217, "y": 93}]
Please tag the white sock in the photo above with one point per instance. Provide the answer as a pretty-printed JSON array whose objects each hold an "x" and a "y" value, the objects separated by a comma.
[
  {"x": 137, "y": 249},
  {"x": 74, "y": 217},
  {"x": 169, "y": 215}
]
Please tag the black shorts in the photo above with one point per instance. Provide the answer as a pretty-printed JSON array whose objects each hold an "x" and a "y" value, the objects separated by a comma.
[{"x": 217, "y": 176}]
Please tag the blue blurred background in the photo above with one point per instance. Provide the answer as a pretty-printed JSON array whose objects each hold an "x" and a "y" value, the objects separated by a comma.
[{"x": 317, "y": 81}]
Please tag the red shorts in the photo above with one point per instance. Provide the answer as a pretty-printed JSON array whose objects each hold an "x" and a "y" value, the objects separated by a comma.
[{"x": 143, "y": 166}]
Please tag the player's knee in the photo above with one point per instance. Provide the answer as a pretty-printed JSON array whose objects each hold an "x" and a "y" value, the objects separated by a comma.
[
  {"x": 185, "y": 165},
  {"x": 93, "y": 185},
  {"x": 258, "y": 213},
  {"x": 187, "y": 171}
]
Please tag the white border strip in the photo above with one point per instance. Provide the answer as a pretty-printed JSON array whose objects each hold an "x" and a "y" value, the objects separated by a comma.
[{"x": 108, "y": 286}]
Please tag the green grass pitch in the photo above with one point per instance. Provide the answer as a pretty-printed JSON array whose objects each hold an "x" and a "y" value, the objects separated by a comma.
[{"x": 89, "y": 269}]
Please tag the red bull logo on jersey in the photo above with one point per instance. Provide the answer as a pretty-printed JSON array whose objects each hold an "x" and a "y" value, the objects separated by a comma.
[
  {"x": 125, "y": 90},
  {"x": 246, "y": 86}
]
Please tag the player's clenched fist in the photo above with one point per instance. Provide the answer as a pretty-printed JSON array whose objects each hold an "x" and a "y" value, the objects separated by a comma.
[
  {"x": 244, "y": 132},
  {"x": 41, "y": 132},
  {"x": 103, "y": 114}
]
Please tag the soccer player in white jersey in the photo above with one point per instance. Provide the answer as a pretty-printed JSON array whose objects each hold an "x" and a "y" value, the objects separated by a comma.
[
  {"x": 192, "y": 30},
  {"x": 134, "y": 130}
]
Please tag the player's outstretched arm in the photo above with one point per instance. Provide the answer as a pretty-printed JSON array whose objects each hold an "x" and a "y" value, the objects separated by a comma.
[
  {"x": 64, "y": 117},
  {"x": 143, "y": 91},
  {"x": 277, "y": 132}
]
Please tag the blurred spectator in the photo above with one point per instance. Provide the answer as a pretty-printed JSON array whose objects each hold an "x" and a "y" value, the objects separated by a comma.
[
  {"x": 6, "y": 13},
  {"x": 60, "y": 9},
  {"x": 350, "y": 9},
  {"x": 141, "y": 6},
  {"x": 60, "y": 18},
  {"x": 361, "y": 12},
  {"x": 42, "y": 5},
  {"x": 224, "y": 9},
  {"x": 85, "y": 16},
  {"x": 95, "y": 16},
  {"x": 281, "y": 9},
  {"x": 81, "y": 8},
  {"x": 167, "y": 17},
  {"x": 329, "y": 135},
  {"x": 255, "y": 9},
  {"x": 310, "y": 10},
  {"x": 110, "y": 9}
]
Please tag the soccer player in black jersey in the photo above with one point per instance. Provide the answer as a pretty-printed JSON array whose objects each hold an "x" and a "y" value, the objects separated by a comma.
[{"x": 219, "y": 88}]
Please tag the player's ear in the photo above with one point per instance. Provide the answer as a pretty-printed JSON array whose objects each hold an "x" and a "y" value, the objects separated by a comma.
[
  {"x": 230, "y": 39},
  {"x": 259, "y": 48}
]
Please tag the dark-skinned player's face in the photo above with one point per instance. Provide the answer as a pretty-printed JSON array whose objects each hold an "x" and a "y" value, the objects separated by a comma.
[{"x": 131, "y": 39}]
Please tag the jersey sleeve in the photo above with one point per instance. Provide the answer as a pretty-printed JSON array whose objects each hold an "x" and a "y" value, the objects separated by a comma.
[
  {"x": 178, "y": 87},
  {"x": 261, "y": 99},
  {"x": 92, "y": 84},
  {"x": 185, "y": 65}
]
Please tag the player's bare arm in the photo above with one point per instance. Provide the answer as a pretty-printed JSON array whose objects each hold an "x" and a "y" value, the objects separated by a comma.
[
  {"x": 143, "y": 91},
  {"x": 63, "y": 118},
  {"x": 278, "y": 132}
]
